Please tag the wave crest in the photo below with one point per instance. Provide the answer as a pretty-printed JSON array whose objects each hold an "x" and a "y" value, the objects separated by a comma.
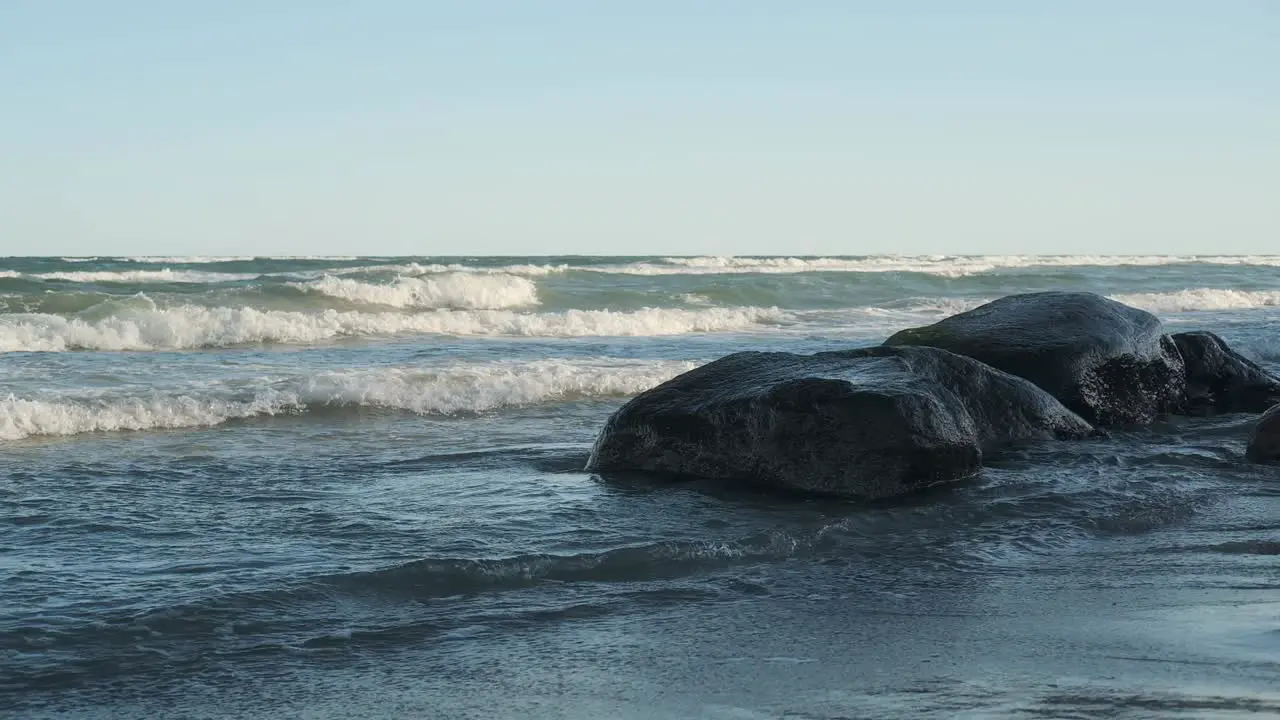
[
  {"x": 427, "y": 391},
  {"x": 416, "y": 269},
  {"x": 144, "y": 276},
  {"x": 190, "y": 326},
  {"x": 941, "y": 265},
  {"x": 477, "y": 388},
  {"x": 1197, "y": 299},
  {"x": 450, "y": 290},
  {"x": 22, "y": 418}
]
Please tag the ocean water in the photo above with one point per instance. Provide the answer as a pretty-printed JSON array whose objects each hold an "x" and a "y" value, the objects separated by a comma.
[{"x": 353, "y": 487}]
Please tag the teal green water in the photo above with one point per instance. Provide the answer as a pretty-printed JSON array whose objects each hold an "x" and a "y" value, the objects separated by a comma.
[{"x": 318, "y": 487}]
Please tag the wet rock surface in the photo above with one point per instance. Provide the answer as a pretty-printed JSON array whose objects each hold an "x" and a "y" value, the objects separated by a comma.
[
  {"x": 1221, "y": 380},
  {"x": 1109, "y": 362},
  {"x": 865, "y": 424}
]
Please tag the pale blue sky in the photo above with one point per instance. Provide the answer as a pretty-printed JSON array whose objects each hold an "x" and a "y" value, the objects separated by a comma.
[{"x": 692, "y": 127}]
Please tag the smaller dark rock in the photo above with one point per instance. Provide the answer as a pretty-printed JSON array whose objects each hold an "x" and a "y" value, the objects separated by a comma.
[
  {"x": 1221, "y": 380},
  {"x": 1109, "y": 362},
  {"x": 1264, "y": 446}
]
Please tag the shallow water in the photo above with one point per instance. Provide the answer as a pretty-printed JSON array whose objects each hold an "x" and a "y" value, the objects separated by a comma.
[{"x": 350, "y": 488}]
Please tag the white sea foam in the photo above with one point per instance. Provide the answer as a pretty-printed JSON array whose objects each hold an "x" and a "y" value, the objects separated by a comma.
[
  {"x": 877, "y": 321},
  {"x": 488, "y": 386},
  {"x": 1197, "y": 299},
  {"x": 468, "y": 388},
  {"x": 449, "y": 290},
  {"x": 414, "y": 269},
  {"x": 186, "y": 259},
  {"x": 144, "y": 276},
  {"x": 942, "y": 265},
  {"x": 204, "y": 259},
  {"x": 954, "y": 267},
  {"x": 190, "y": 326},
  {"x": 9, "y": 274},
  {"x": 696, "y": 299},
  {"x": 20, "y": 418}
]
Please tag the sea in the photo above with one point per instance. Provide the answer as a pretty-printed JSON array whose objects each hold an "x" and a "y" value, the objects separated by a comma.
[{"x": 354, "y": 487}]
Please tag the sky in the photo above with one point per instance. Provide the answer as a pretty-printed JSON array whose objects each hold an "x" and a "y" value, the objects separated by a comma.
[{"x": 536, "y": 127}]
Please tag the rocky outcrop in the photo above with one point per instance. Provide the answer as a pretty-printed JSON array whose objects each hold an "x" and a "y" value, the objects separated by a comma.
[
  {"x": 1264, "y": 445},
  {"x": 866, "y": 424},
  {"x": 1109, "y": 362},
  {"x": 1221, "y": 380}
]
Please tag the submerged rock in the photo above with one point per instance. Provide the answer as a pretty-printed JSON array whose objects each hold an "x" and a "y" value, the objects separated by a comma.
[
  {"x": 1264, "y": 446},
  {"x": 1221, "y": 380},
  {"x": 1109, "y": 362},
  {"x": 868, "y": 423}
]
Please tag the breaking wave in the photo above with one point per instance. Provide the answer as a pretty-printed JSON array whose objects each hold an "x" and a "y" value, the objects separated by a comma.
[
  {"x": 1193, "y": 300},
  {"x": 469, "y": 388},
  {"x": 951, "y": 266},
  {"x": 942, "y": 265},
  {"x": 481, "y": 387},
  {"x": 190, "y": 326},
  {"x": 143, "y": 276},
  {"x": 451, "y": 290},
  {"x": 21, "y": 418},
  {"x": 208, "y": 259},
  {"x": 414, "y": 269}
]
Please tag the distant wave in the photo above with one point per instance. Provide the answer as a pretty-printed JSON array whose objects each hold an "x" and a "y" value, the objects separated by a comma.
[
  {"x": 1169, "y": 302},
  {"x": 1191, "y": 300},
  {"x": 450, "y": 290},
  {"x": 1201, "y": 299},
  {"x": 877, "y": 321},
  {"x": 938, "y": 265},
  {"x": 188, "y": 259},
  {"x": 943, "y": 265},
  {"x": 428, "y": 391},
  {"x": 917, "y": 309},
  {"x": 414, "y": 269},
  {"x": 204, "y": 259},
  {"x": 190, "y": 326},
  {"x": 142, "y": 276}
]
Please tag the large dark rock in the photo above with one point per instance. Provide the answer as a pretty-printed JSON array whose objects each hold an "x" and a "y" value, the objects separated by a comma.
[
  {"x": 868, "y": 423},
  {"x": 1109, "y": 362},
  {"x": 1264, "y": 446},
  {"x": 1221, "y": 380}
]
